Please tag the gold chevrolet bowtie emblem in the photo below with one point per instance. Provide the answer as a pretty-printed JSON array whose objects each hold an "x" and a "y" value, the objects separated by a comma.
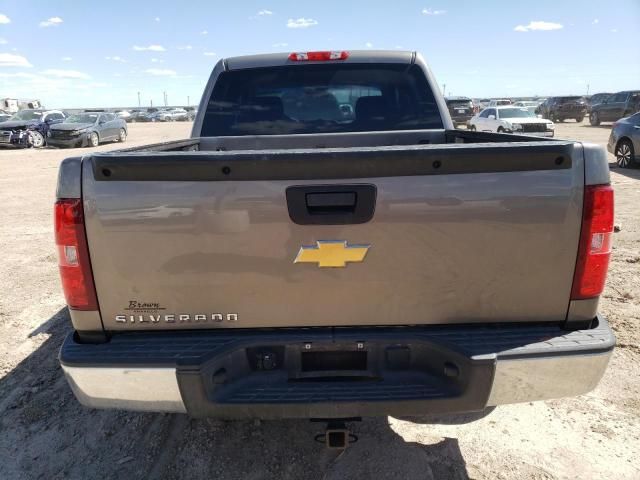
[{"x": 331, "y": 253}]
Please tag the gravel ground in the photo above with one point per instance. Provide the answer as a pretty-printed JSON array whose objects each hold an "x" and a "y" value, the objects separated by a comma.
[{"x": 45, "y": 433}]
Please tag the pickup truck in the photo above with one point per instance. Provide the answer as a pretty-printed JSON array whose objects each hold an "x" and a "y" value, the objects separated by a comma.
[{"x": 327, "y": 246}]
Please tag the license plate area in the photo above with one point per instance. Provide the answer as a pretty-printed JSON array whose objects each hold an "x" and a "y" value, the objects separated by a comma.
[{"x": 332, "y": 361}]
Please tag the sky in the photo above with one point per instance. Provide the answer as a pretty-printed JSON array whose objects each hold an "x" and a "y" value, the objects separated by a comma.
[{"x": 72, "y": 54}]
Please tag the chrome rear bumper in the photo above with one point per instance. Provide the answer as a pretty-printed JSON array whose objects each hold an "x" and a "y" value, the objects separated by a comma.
[{"x": 494, "y": 365}]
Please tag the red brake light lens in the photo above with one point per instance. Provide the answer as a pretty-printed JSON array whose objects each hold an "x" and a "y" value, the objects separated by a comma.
[
  {"x": 594, "y": 249},
  {"x": 318, "y": 56},
  {"x": 73, "y": 255}
]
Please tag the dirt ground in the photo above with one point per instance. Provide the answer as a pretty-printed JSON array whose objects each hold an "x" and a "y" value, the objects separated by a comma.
[{"x": 45, "y": 433}]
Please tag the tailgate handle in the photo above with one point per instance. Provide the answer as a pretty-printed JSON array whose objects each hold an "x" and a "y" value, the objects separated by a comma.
[{"x": 331, "y": 204}]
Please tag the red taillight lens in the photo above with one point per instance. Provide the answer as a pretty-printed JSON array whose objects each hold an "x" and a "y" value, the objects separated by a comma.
[
  {"x": 73, "y": 255},
  {"x": 595, "y": 242},
  {"x": 317, "y": 56}
]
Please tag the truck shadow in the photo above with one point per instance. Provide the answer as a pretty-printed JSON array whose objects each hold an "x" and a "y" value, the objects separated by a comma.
[{"x": 46, "y": 433}]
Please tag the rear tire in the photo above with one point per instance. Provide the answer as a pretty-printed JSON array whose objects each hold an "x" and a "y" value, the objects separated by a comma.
[
  {"x": 625, "y": 154},
  {"x": 472, "y": 128},
  {"x": 500, "y": 130},
  {"x": 579, "y": 119},
  {"x": 594, "y": 119},
  {"x": 122, "y": 135}
]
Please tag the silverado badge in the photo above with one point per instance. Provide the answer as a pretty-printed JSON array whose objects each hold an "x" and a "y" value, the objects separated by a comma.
[{"x": 331, "y": 253}]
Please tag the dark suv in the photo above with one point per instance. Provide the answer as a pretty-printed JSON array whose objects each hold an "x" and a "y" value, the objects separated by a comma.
[
  {"x": 615, "y": 107},
  {"x": 460, "y": 109},
  {"x": 595, "y": 99},
  {"x": 558, "y": 109}
]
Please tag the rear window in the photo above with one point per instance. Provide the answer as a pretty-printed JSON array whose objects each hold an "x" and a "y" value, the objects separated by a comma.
[
  {"x": 321, "y": 99},
  {"x": 459, "y": 103},
  {"x": 569, "y": 99}
]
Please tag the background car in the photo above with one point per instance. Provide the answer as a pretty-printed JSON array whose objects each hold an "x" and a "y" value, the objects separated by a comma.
[
  {"x": 509, "y": 119},
  {"x": 624, "y": 141},
  {"x": 191, "y": 113},
  {"x": 170, "y": 115},
  {"x": 500, "y": 102},
  {"x": 558, "y": 109},
  {"x": 460, "y": 109},
  {"x": 88, "y": 129},
  {"x": 124, "y": 114},
  {"x": 614, "y": 107},
  {"x": 139, "y": 117},
  {"x": 595, "y": 99},
  {"x": 28, "y": 128},
  {"x": 529, "y": 105}
]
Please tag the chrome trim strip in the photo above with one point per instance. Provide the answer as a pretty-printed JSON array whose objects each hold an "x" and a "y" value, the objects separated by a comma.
[
  {"x": 543, "y": 378},
  {"x": 142, "y": 389}
]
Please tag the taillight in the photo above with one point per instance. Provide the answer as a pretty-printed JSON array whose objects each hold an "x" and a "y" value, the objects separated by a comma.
[
  {"x": 317, "y": 56},
  {"x": 73, "y": 255},
  {"x": 594, "y": 249}
]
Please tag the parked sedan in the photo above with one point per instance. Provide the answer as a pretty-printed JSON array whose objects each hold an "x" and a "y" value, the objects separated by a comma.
[
  {"x": 88, "y": 129},
  {"x": 28, "y": 128},
  {"x": 624, "y": 141},
  {"x": 139, "y": 117},
  {"x": 170, "y": 115},
  {"x": 511, "y": 120}
]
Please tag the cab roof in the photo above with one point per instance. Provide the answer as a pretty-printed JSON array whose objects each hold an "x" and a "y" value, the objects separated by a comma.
[{"x": 282, "y": 59}]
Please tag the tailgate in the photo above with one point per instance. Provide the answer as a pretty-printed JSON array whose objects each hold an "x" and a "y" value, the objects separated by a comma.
[{"x": 440, "y": 234}]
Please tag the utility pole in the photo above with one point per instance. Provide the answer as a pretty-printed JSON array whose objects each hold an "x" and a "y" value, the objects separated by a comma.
[
  {"x": 151, "y": 102},
  {"x": 138, "y": 98},
  {"x": 587, "y": 89},
  {"x": 188, "y": 103},
  {"x": 444, "y": 88},
  {"x": 165, "y": 97}
]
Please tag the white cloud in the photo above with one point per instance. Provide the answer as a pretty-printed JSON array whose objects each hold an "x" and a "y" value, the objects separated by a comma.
[
  {"x": 203, "y": 32},
  {"x": 301, "y": 22},
  {"x": 265, "y": 12},
  {"x": 11, "y": 60},
  {"x": 160, "y": 72},
  {"x": 368, "y": 45},
  {"x": 614, "y": 30},
  {"x": 4, "y": 18},
  {"x": 185, "y": 47},
  {"x": 53, "y": 72},
  {"x": 595, "y": 21},
  {"x": 279, "y": 45},
  {"x": 150, "y": 48},
  {"x": 51, "y": 22},
  {"x": 156, "y": 60},
  {"x": 429, "y": 11},
  {"x": 209, "y": 54},
  {"x": 99, "y": 85},
  {"x": 538, "y": 26},
  {"x": 3, "y": 41},
  {"x": 116, "y": 59},
  {"x": 157, "y": 19},
  {"x": 66, "y": 59}
]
